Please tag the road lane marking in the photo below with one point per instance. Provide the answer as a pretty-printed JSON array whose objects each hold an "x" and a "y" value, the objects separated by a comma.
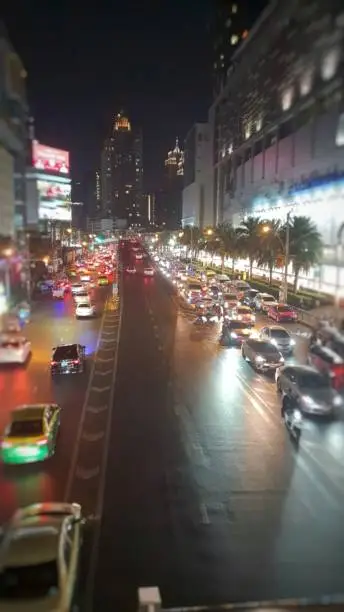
[
  {"x": 97, "y": 409},
  {"x": 100, "y": 389},
  {"x": 93, "y": 437},
  {"x": 86, "y": 474},
  {"x": 104, "y": 359},
  {"x": 102, "y": 473},
  {"x": 106, "y": 373},
  {"x": 205, "y": 520}
]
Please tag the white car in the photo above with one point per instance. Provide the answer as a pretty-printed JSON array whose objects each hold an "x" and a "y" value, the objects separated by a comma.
[
  {"x": 84, "y": 310},
  {"x": 85, "y": 278},
  {"x": 81, "y": 298},
  {"x": 39, "y": 558},
  {"x": 77, "y": 288},
  {"x": 14, "y": 349},
  {"x": 58, "y": 292},
  {"x": 263, "y": 301}
]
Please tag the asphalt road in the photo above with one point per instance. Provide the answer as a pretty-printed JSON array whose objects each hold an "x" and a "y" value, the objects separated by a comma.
[
  {"x": 205, "y": 495},
  {"x": 52, "y": 323}
]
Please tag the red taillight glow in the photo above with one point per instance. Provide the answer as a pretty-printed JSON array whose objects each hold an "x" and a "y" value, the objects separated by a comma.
[
  {"x": 76, "y": 361},
  {"x": 53, "y": 362}
]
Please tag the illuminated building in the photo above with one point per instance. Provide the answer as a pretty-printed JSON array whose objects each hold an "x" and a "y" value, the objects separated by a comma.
[
  {"x": 231, "y": 23},
  {"x": 279, "y": 127},
  {"x": 13, "y": 138},
  {"x": 198, "y": 187},
  {"x": 121, "y": 174},
  {"x": 169, "y": 199}
]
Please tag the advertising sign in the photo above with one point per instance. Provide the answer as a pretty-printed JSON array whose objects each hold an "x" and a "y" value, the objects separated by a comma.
[
  {"x": 54, "y": 201},
  {"x": 49, "y": 159}
]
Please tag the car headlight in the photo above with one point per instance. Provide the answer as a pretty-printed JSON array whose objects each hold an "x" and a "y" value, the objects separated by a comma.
[
  {"x": 292, "y": 342},
  {"x": 297, "y": 415},
  {"x": 337, "y": 401},
  {"x": 260, "y": 359},
  {"x": 273, "y": 341},
  {"x": 308, "y": 400},
  {"x": 226, "y": 304},
  {"x": 234, "y": 335}
]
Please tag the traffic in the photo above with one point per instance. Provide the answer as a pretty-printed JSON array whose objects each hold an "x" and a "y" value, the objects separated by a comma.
[{"x": 39, "y": 354}]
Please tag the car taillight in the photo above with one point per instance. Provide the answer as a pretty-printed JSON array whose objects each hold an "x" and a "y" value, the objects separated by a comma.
[
  {"x": 42, "y": 442},
  {"x": 76, "y": 361},
  {"x": 53, "y": 362}
]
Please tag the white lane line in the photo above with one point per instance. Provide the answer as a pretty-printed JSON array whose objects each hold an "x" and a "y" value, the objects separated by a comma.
[
  {"x": 102, "y": 476},
  {"x": 73, "y": 464},
  {"x": 100, "y": 389},
  {"x": 104, "y": 359},
  {"x": 97, "y": 409},
  {"x": 84, "y": 474},
  {"x": 100, "y": 373},
  {"x": 93, "y": 437},
  {"x": 205, "y": 520}
]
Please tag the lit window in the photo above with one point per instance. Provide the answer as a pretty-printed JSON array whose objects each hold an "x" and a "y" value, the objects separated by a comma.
[
  {"x": 234, "y": 39},
  {"x": 287, "y": 98},
  {"x": 340, "y": 131},
  {"x": 228, "y": 23},
  {"x": 306, "y": 82},
  {"x": 234, "y": 8},
  {"x": 259, "y": 124},
  {"x": 230, "y": 149},
  {"x": 330, "y": 64},
  {"x": 248, "y": 131},
  {"x": 222, "y": 56}
]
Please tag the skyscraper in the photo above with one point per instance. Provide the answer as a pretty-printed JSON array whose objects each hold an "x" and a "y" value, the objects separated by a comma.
[
  {"x": 231, "y": 24},
  {"x": 121, "y": 174},
  {"x": 169, "y": 200}
]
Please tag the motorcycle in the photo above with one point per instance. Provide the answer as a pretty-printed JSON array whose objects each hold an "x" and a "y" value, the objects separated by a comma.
[{"x": 293, "y": 421}]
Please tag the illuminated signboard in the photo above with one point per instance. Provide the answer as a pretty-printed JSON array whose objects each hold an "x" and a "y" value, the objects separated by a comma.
[
  {"x": 54, "y": 201},
  {"x": 49, "y": 159}
]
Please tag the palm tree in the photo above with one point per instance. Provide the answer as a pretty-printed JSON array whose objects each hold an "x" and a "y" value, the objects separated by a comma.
[
  {"x": 190, "y": 237},
  {"x": 227, "y": 242},
  {"x": 249, "y": 238},
  {"x": 271, "y": 246},
  {"x": 305, "y": 245}
]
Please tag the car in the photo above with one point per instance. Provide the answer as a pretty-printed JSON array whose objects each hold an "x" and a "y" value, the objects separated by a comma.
[
  {"x": 235, "y": 332},
  {"x": 58, "y": 291},
  {"x": 103, "y": 281},
  {"x": 77, "y": 288},
  {"x": 138, "y": 256},
  {"x": 244, "y": 314},
  {"x": 130, "y": 269},
  {"x": 249, "y": 297},
  {"x": 311, "y": 391},
  {"x": 84, "y": 310},
  {"x": 279, "y": 337},
  {"x": 39, "y": 558},
  {"x": 264, "y": 356},
  {"x": 82, "y": 297},
  {"x": 264, "y": 301},
  {"x": 31, "y": 434},
  {"x": 68, "y": 359},
  {"x": 14, "y": 349},
  {"x": 215, "y": 291},
  {"x": 282, "y": 312},
  {"x": 85, "y": 277},
  {"x": 229, "y": 300},
  {"x": 148, "y": 271}
]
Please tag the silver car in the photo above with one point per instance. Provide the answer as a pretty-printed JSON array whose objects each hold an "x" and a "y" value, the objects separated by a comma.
[
  {"x": 264, "y": 356},
  {"x": 310, "y": 390},
  {"x": 279, "y": 337}
]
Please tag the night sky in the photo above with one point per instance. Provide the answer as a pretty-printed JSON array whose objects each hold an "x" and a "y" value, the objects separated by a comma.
[{"x": 86, "y": 61}]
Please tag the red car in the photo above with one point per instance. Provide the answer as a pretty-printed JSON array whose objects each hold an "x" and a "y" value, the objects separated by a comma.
[{"x": 282, "y": 312}]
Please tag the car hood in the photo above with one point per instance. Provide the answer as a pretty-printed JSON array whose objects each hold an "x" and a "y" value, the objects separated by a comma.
[{"x": 320, "y": 396}]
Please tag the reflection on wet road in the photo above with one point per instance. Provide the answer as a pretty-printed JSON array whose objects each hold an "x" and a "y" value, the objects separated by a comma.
[{"x": 206, "y": 496}]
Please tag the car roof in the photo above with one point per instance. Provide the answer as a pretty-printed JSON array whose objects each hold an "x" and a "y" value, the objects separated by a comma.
[
  {"x": 31, "y": 543},
  {"x": 303, "y": 368},
  {"x": 28, "y": 412},
  {"x": 277, "y": 328},
  {"x": 264, "y": 294}
]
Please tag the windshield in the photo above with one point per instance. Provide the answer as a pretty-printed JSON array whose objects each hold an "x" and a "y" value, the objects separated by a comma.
[
  {"x": 267, "y": 298},
  {"x": 279, "y": 333},
  {"x": 231, "y": 297},
  {"x": 195, "y": 287},
  {"x": 313, "y": 380},
  {"x": 84, "y": 305},
  {"x": 243, "y": 311},
  {"x": 29, "y": 582},
  {"x": 263, "y": 347},
  {"x": 284, "y": 308},
  {"x": 65, "y": 352},
  {"x": 26, "y": 428}
]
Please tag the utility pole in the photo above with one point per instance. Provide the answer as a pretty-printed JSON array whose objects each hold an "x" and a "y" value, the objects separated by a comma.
[{"x": 286, "y": 258}]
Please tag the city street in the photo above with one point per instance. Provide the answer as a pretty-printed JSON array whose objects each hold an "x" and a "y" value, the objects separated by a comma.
[
  {"x": 52, "y": 323},
  {"x": 206, "y": 497}
]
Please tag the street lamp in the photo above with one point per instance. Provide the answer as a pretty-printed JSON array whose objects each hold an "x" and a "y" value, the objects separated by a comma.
[{"x": 209, "y": 232}]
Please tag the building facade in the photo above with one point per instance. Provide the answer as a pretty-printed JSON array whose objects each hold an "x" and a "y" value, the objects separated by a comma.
[
  {"x": 169, "y": 198},
  {"x": 13, "y": 138},
  {"x": 198, "y": 184},
  {"x": 279, "y": 124},
  {"x": 122, "y": 173}
]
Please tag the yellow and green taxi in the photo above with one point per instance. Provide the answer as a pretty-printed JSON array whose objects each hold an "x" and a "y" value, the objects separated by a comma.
[{"x": 31, "y": 433}]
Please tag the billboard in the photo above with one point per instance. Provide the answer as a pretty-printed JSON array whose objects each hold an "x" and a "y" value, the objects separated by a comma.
[
  {"x": 54, "y": 201},
  {"x": 49, "y": 159}
]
